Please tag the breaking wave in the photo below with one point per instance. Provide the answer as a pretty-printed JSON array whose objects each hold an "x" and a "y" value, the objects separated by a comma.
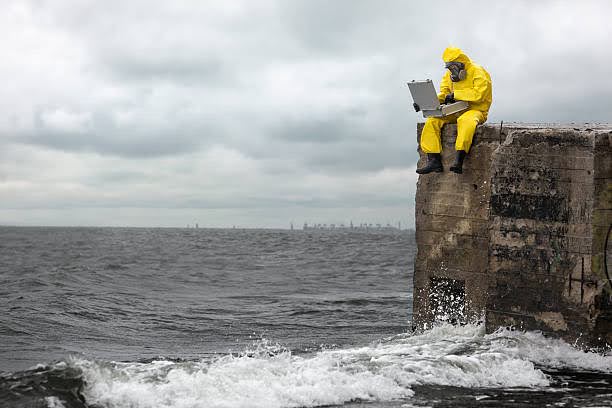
[{"x": 268, "y": 375}]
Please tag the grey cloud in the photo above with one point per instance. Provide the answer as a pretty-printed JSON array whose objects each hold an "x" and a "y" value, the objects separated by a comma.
[
  {"x": 189, "y": 71},
  {"x": 159, "y": 81},
  {"x": 106, "y": 137},
  {"x": 318, "y": 131},
  {"x": 243, "y": 203},
  {"x": 110, "y": 177},
  {"x": 354, "y": 27},
  {"x": 350, "y": 156},
  {"x": 342, "y": 143}
]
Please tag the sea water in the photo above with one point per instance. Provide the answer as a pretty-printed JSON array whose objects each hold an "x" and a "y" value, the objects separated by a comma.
[{"x": 111, "y": 317}]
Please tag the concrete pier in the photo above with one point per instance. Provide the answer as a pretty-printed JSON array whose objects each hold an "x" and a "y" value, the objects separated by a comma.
[{"x": 519, "y": 239}]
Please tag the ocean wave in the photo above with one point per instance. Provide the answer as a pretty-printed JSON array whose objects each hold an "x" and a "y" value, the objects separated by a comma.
[{"x": 268, "y": 375}]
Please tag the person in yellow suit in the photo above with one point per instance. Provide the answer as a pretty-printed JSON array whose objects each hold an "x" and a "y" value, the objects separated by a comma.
[{"x": 463, "y": 81}]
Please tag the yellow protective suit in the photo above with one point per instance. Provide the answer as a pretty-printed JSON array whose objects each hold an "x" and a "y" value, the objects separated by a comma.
[{"x": 476, "y": 89}]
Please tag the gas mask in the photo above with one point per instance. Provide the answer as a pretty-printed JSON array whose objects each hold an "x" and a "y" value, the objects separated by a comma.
[{"x": 457, "y": 70}]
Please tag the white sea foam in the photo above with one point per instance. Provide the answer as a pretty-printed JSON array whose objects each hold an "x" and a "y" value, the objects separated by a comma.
[
  {"x": 272, "y": 377},
  {"x": 552, "y": 353},
  {"x": 54, "y": 402}
]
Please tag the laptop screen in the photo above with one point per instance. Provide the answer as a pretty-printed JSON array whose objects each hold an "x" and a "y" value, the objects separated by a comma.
[{"x": 424, "y": 94}]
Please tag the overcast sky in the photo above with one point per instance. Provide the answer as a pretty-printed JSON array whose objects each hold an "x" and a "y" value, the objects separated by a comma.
[{"x": 261, "y": 113}]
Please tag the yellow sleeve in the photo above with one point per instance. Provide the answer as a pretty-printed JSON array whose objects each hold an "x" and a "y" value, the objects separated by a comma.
[
  {"x": 476, "y": 92},
  {"x": 445, "y": 87}
]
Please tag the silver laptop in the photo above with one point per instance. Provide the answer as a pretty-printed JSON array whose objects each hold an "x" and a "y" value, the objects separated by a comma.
[{"x": 424, "y": 94}]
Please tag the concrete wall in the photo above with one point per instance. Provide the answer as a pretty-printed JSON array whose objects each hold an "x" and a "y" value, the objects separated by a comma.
[{"x": 518, "y": 238}]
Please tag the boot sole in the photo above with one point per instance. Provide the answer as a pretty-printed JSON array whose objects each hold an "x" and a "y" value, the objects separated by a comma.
[{"x": 438, "y": 170}]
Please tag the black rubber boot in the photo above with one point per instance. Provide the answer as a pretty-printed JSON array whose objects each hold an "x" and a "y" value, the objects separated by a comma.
[
  {"x": 434, "y": 163},
  {"x": 457, "y": 166}
]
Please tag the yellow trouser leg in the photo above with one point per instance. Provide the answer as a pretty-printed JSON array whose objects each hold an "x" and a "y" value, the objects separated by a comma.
[
  {"x": 466, "y": 126},
  {"x": 430, "y": 137}
]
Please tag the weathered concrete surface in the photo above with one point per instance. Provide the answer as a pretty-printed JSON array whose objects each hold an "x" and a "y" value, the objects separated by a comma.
[
  {"x": 452, "y": 213},
  {"x": 522, "y": 232}
]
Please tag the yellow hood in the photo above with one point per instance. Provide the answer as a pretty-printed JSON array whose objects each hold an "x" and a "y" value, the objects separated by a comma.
[{"x": 455, "y": 54}]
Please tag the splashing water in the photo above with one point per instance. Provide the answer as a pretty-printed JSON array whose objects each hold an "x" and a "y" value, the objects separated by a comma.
[{"x": 270, "y": 376}]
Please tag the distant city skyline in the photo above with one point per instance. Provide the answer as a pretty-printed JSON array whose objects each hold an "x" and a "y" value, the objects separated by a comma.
[
  {"x": 351, "y": 225},
  {"x": 315, "y": 225}
]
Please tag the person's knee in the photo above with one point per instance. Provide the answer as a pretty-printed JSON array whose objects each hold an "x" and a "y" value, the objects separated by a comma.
[
  {"x": 434, "y": 122},
  {"x": 471, "y": 116},
  {"x": 467, "y": 120}
]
